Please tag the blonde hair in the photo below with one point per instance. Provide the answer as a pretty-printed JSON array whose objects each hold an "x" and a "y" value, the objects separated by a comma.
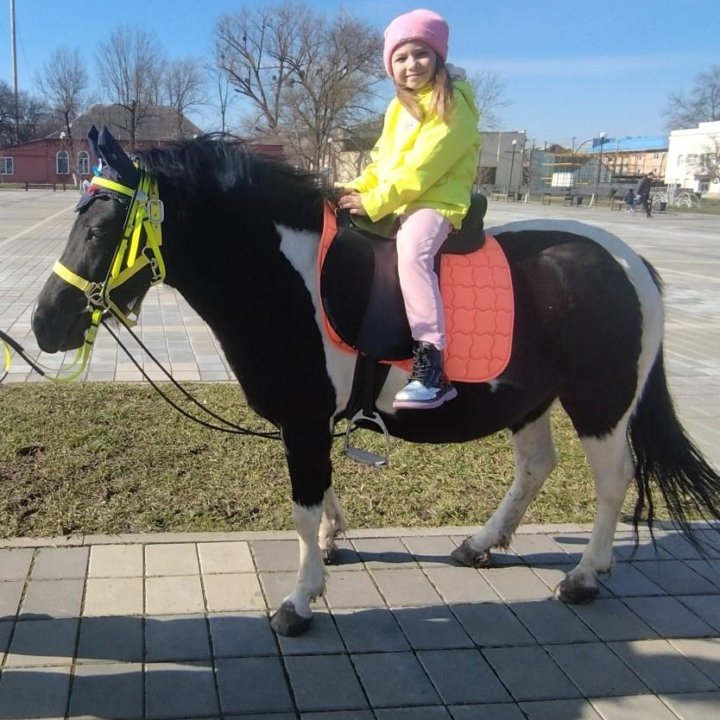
[{"x": 441, "y": 101}]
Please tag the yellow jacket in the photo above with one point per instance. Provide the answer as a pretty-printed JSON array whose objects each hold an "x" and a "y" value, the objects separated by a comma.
[{"x": 423, "y": 164}]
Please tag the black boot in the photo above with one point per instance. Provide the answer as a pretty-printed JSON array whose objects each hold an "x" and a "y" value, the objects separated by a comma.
[{"x": 428, "y": 386}]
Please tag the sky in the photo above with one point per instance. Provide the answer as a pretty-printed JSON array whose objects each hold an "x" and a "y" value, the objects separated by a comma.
[{"x": 570, "y": 69}]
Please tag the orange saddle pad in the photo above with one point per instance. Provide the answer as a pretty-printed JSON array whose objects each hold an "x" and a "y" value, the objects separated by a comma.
[{"x": 477, "y": 293}]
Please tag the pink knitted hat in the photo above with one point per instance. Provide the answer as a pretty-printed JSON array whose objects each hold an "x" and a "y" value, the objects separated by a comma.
[{"x": 423, "y": 25}]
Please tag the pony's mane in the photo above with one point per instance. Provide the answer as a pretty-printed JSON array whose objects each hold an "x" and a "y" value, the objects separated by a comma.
[{"x": 210, "y": 166}]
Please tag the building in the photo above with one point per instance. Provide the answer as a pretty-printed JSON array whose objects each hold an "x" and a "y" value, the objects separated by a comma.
[
  {"x": 628, "y": 159},
  {"x": 693, "y": 159},
  {"x": 59, "y": 159}
]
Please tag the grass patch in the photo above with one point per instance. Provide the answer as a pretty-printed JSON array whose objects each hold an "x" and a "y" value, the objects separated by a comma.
[{"x": 113, "y": 458}]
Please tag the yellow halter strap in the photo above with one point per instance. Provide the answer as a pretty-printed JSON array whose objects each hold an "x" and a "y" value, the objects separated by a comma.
[{"x": 146, "y": 214}]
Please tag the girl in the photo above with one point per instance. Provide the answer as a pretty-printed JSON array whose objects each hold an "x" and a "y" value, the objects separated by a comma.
[{"x": 422, "y": 170}]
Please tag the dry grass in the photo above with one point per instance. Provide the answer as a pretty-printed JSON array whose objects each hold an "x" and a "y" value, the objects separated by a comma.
[{"x": 113, "y": 458}]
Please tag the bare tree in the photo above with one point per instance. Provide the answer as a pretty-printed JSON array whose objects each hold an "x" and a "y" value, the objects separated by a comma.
[
  {"x": 32, "y": 114},
  {"x": 182, "y": 88},
  {"x": 305, "y": 77},
  {"x": 63, "y": 81},
  {"x": 490, "y": 97},
  {"x": 700, "y": 104},
  {"x": 219, "y": 81},
  {"x": 130, "y": 65}
]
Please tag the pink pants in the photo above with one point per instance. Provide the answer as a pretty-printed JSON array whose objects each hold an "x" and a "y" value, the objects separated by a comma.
[{"x": 421, "y": 234}]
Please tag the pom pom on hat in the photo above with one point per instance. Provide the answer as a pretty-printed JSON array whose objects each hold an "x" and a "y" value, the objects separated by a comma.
[{"x": 423, "y": 25}]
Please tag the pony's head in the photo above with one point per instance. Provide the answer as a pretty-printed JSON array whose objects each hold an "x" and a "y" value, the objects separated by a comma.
[{"x": 112, "y": 255}]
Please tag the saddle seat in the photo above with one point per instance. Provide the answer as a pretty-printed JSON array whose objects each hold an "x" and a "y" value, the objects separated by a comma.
[{"x": 363, "y": 309}]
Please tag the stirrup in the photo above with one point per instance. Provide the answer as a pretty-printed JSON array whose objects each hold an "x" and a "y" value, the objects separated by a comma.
[{"x": 367, "y": 457}]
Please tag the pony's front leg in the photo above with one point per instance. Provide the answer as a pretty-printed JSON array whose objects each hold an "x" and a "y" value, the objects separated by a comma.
[{"x": 308, "y": 459}]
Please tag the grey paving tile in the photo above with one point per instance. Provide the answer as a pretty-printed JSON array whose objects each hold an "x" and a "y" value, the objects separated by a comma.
[
  {"x": 596, "y": 670},
  {"x": 379, "y": 675},
  {"x": 675, "y": 544},
  {"x": 271, "y": 716},
  {"x": 706, "y": 607},
  {"x": 171, "y": 559},
  {"x": 627, "y": 581},
  {"x": 10, "y": 594},
  {"x": 516, "y": 584},
  {"x": 491, "y": 624},
  {"x": 662, "y": 668},
  {"x": 636, "y": 707},
  {"x": 708, "y": 569},
  {"x": 15, "y": 563},
  {"x": 573, "y": 543},
  {"x": 333, "y": 715},
  {"x": 574, "y": 709},
  {"x": 322, "y": 638},
  {"x": 19, "y": 696},
  {"x": 252, "y": 685},
  {"x": 54, "y": 598},
  {"x": 324, "y": 682},
  {"x": 703, "y": 653},
  {"x": 538, "y": 550},
  {"x": 42, "y": 642},
  {"x": 6, "y": 629},
  {"x": 415, "y": 713},
  {"x": 351, "y": 589},
  {"x": 107, "y": 690},
  {"x": 550, "y": 621},
  {"x": 405, "y": 588},
  {"x": 175, "y": 690},
  {"x": 242, "y": 635},
  {"x": 674, "y": 576},
  {"x": 462, "y": 677},
  {"x": 345, "y": 558},
  {"x": 461, "y": 585},
  {"x": 173, "y": 638},
  {"x": 111, "y": 639},
  {"x": 60, "y": 563},
  {"x": 430, "y": 551},
  {"x": 489, "y": 711},
  {"x": 625, "y": 550},
  {"x": 276, "y": 586},
  {"x": 370, "y": 630},
  {"x": 611, "y": 619},
  {"x": 275, "y": 555},
  {"x": 530, "y": 674},
  {"x": 432, "y": 627},
  {"x": 379, "y": 553},
  {"x": 668, "y": 617},
  {"x": 693, "y": 706}
]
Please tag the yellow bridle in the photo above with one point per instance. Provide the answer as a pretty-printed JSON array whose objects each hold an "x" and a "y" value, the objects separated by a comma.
[{"x": 146, "y": 213}]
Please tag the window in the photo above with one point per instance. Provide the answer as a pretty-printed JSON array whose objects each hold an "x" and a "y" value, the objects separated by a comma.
[
  {"x": 62, "y": 163},
  {"x": 7, "y": 166},
  {"x": 704, "y": 186},
  {"x": 83, "y": 163}
]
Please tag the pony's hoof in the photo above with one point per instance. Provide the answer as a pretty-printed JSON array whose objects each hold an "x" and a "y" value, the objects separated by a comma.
[
  {"x": 330, "y": 555},
  {"x": 465, "y": 555},
  {"x": 574, "y": 593},
  {"x": 287, "y": 622}
]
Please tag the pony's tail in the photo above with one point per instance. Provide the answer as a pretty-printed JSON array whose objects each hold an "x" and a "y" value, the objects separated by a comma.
[{"x": 665, "y": 454}]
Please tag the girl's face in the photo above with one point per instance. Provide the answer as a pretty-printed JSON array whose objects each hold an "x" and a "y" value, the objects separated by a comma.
[{"x": 413, "y": 64}]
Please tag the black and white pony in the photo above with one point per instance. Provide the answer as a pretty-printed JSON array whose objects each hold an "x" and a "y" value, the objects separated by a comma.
[{"x": 240, "y": 243}]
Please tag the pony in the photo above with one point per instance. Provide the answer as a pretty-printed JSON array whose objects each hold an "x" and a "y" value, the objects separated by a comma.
[{"x": 240, "y": 237}]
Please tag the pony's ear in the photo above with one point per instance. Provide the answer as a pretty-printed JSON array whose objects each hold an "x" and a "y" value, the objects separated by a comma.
[
  {"x": 116, "y": 159},
  {"x": 93, "y": 138}
]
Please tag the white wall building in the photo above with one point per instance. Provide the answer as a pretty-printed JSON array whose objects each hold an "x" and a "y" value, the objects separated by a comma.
[{"x": 693, "y": 159}]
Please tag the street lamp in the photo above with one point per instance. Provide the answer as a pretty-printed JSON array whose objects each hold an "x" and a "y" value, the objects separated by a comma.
[
  {"x": 597, "y": 179},
  {"x": 512, "y": 164}
]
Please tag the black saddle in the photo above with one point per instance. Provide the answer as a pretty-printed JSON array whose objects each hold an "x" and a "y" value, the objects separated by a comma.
[{"x": 359, "y": 282}]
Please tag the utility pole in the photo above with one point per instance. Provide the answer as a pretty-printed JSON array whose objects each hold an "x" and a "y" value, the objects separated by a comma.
[{"x": 14, "y": 65}]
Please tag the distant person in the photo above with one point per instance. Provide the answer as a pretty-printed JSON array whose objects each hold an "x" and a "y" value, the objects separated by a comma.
[
  {"x": 643, "y": 192},
  {"x": 630, "y": 200}
]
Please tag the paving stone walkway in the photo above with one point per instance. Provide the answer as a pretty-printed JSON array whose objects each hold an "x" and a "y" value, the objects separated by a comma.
[{"x": 176, "y": 626}]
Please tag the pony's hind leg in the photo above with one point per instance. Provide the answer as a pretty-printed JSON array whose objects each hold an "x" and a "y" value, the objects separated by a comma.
[
  {"x": 613, "y": 469},
  {"x": 332, "y": 524},
  {"x": 534, "y": 460}
]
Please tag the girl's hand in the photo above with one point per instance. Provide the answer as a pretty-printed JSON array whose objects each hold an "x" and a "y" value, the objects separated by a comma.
[{"x": 352, "y": 202}]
